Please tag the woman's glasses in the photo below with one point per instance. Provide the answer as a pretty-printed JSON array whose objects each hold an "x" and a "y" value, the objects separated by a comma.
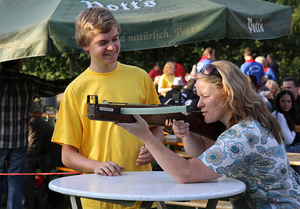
[{"x": 209, "y": 69}]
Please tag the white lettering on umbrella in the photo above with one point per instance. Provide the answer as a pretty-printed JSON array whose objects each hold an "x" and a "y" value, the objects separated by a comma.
[
  {"x": 255, "y": 26},
  {"x": 125, "y": 6}
]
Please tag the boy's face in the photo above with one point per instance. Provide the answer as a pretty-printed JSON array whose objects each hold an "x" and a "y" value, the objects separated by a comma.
[{"x": 104, "y": 48}]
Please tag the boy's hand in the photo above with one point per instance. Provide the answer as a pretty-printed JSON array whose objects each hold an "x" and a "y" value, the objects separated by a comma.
[
  {"x": 108, "y": 168},
  {"x": 144, "y": 157}
]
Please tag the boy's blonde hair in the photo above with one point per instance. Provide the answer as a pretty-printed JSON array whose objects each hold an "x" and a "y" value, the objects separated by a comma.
[
  {"x": 240, "y": 99},
  {"x": 93, "y": 21}
]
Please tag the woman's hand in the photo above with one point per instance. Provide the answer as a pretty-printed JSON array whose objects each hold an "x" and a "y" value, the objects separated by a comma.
[
  {"x": 140, "y": 128},
  {"x": 108, "y": 168},
  {"x": 181, "y": 128},
  {"x": 144, "y": 157}
]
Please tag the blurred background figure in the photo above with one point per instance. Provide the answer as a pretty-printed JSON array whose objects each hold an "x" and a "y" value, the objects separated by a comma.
[
  {"x": 269, "y": 73},
  {"x": 291, "y": 83},
  {"x": 156, "y": 71},
  {"x": 273, "y": 86},
  {"x": 251, "y": 67},
  {"x": 208, "y": 56},
  {"x": 192, "y": 74},
  {"x": 274, "y": 66},
  {"x": 176, "y": 92},
  {"x": 253, "y": 82},
  {"x": 155, "y": 83},
  {"x": 285, "y": 111},
  {"x": 270, "y": 90},
  {"x": 180, "y": 71},
  {"x": 267, "y": 96},
  {"x": 166, "y": 80},
  {"x": 192, "y": 97},
  {"x": 41, "y": 154},
  {"x": 17, "y": 93},
  {"x": 189, "y": 88}
]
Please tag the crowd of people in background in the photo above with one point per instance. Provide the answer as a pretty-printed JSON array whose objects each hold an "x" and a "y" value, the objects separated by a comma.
[{"x": 263, "y": 74}]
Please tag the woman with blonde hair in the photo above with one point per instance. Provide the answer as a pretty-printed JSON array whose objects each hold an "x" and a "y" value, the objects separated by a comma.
[
  {"x": 250, "y": 150},
  {"x": 166, "y": 80},
  {"x": 273, "y": 86}
]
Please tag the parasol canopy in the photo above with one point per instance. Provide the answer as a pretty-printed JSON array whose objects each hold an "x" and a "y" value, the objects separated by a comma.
[{"x": 38, "y": 27}]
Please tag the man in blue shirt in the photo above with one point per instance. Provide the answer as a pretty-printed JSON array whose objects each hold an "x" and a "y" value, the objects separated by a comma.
[{"x": 250, "y": 67}]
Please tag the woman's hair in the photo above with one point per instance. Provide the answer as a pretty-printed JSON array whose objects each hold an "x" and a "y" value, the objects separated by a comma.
[
  {"x": 93, "y": 21},
  {"x": 273, "y": 83},
  {"x": 167, "y": 68},
  {"x": 208, "y": 51},
  {"x": 240, "y": 99},
  {"x": 262, "y": 60},
  {"x": 291, "y": 115}
]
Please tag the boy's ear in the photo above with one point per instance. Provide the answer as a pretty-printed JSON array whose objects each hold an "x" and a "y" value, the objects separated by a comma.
[{"x": 85, "y": 49}]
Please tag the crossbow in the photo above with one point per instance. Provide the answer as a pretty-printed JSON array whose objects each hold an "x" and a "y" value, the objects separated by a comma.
[{"x": 155, "y": 115}]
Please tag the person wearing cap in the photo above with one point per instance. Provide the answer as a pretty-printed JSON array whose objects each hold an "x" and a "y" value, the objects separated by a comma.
[{"x": 177, "y": 86}]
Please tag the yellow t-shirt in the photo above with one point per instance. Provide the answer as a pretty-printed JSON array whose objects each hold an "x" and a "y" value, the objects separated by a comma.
[
  {"x": 99, "y": 140},
  {"x": 166, "y": 81}
]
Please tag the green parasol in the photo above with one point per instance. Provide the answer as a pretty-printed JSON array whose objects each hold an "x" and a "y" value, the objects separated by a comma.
[{"x": 38, "y": 27}]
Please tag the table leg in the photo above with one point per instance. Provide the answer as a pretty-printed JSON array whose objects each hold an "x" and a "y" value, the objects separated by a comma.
[
  {"x": 212, "y": 204},
  {"x": 146, "y": 205},
  {"x": 161, "y": 205},
  {"x": 75, "y": 202}
]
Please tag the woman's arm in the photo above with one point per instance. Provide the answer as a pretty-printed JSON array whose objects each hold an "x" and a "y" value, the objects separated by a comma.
[
  {"x": 182, "y": 170},
  {"x": 194, "y": 144},
  {"x": 145, "y": 155}
]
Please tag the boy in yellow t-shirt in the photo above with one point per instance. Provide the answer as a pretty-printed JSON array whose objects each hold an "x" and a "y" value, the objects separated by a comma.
[{"x": 104, "y": 148}]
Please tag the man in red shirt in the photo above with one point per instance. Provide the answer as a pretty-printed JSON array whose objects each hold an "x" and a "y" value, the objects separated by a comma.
[{"x": 156, "y": 71}]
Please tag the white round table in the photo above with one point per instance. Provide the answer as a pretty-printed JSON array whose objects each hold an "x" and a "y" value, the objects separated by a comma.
[{"x": 152, "y": 186}]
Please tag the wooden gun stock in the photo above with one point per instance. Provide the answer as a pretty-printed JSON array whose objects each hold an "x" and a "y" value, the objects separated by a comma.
[{"x": 111, "y": 113}]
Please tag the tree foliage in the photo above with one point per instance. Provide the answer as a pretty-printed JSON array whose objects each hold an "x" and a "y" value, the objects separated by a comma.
[{"x": 285, "y": 49}]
